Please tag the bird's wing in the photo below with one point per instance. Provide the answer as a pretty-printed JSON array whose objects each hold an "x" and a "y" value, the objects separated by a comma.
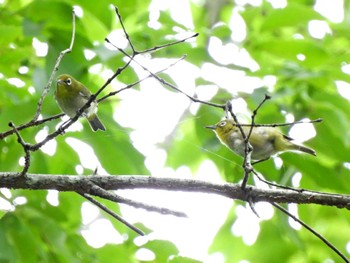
[
  {"x": 84, "y": 95},
  {"x": 84, "y": 92}
]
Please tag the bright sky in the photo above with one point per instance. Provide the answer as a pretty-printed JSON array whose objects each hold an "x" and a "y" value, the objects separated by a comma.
[{"x": 193, "y": 236}]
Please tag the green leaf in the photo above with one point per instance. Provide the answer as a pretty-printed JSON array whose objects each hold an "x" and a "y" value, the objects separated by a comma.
[
  {"x": 185, "y": 138},
  {"x": 163, "y": 249},
  {"x": 314, "y": 53},
  {"x": 11, "y": 32},
  {"x": 114, "y": 149},
  {"x": 290, "y": 16},
  {"x": 179, "y": 259}
]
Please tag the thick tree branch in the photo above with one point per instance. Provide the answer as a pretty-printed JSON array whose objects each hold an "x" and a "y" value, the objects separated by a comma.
[{"x": 82, "y": 184}]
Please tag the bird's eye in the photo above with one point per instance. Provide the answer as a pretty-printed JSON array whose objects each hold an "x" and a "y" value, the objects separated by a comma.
[
  {"x": 222, "y": 124},
  {"x": 69, "y": 81}
]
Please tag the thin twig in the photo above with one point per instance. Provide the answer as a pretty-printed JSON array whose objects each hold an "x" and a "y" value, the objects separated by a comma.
[
  {"x": 113, "y": 214},
  {"x": 283, "y": 124},
  {"x": 30, "y": 124},
  {"x": 255, "y": 112},
  {"x": 25, "y": 148},
  {"x": 140, "y": 80},
  {"x": 248, "y": 168},
  {"x": 156, "y": 48},
  {"x": 276, "y": 185},
  {"x": 323, "y": 239},
  {"x": 99, "y": 191},
  {"x": 125, "y": 32},
  {"x": 247, "y": 164},
  {"x": 298, "y": 190},
  {"x": 132, "y": 57},
  {"x": 58, "y": 61},
  {"x": 251, "y": 205},
  {"x": 165, "y": 82},
  {"x": 248, "y": 147}
]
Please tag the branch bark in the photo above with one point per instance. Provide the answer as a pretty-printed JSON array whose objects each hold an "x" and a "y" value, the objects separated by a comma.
[{"x": 82, "y": 184}]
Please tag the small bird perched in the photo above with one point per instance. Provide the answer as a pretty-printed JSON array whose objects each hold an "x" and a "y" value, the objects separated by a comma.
[
  {"x": 71, "y": 96},
  {"x": 266, "y": 141}
]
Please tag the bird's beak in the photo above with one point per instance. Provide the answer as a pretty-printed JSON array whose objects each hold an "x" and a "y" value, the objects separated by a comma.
[
  {"x": 212, "y": 127},
  {"x": 60, "y": 81}
]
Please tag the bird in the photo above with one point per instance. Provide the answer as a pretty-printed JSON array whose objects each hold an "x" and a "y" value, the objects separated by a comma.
[
  {"x": 71, "y": 96},
  {"x": 266, "y": 141}
]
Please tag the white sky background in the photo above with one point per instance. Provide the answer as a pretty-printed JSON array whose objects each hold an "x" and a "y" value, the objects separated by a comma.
[{"x": 206, "y": 213}]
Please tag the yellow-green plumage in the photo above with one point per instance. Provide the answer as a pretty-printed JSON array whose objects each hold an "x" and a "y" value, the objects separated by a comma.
[
  {"x": 71, "y": 96},
  {"x": 266, "y": 141}
]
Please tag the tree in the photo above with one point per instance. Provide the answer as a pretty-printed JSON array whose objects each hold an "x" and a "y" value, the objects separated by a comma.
[{"x": 155, "y": 108}]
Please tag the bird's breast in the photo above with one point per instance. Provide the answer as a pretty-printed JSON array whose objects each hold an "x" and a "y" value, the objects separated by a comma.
[{"x": 263, "y": 147}]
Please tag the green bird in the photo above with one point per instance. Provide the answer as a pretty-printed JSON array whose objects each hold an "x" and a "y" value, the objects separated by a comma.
[
  {"x": 266, "y": 141},
  {"x": 71, "y": 96}
]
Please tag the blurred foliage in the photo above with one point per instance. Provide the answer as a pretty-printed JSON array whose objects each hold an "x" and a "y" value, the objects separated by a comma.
[{"x": 39, "y": 232}]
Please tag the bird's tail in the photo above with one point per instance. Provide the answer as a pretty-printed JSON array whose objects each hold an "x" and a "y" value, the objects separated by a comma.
[
  {"x": 304, "y": 149},
  {"x": 95, "y": 123},
  {"x": 298, "y": 147}
]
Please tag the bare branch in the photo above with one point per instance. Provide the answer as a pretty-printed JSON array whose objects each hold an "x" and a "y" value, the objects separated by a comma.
[
  {"x": 233, "y": 191},
  {"x": 99, "y": 191},
  {"x": 314, "y": 232},
  {"x": 282, "y": 124},
  {"x": 30, "y": 124},
  {"x": 58, "y": 61},
  {"x": 165, "y": 82},
  {"x": 247, "y": 165},
  {"x": 140, "y": 80},
  {"x": 113, "y": 214},
  {"x": 125, "y": 32},
  {"x": 167, "y": 45},
  {"x": 155, "y": 48},
  {"x": 292, "y": 123},
  {"x": 25, "y": 148},
  {"x": 248, "y": 149}
]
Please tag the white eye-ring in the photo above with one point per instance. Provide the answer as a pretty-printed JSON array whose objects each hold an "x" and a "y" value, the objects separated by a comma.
[
  {"x": 69, "y": 81},
  {"x": 222, "y": 124}
]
